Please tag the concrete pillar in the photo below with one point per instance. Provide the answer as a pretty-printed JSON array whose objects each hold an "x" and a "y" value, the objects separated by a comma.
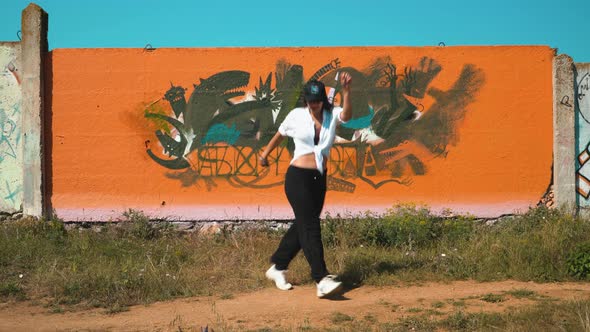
[
  {"x": 564, "y": 166},
  {"x": 34, "y": 48}
]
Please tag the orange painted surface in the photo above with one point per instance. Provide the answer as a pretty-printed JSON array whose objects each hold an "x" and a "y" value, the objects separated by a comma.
[{"x": 499, "y": 159}]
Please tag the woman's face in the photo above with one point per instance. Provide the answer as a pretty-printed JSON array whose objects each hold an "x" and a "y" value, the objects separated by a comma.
[{"x": 315, "y": 106}]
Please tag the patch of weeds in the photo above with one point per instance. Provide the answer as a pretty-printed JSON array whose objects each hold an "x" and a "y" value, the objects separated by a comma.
[
  {"x": 139, "y": 225},
  {"x": 226, "y": 296},
  {"x": 458, "y": 321},
  {"x": 461, "y": 321},
  {"x": 395, "y": 307},
  {"x": 544, "y": 316},
  {"x": 521, "y": 293},
  {"x": 493, "y": 298},
  {"x": 56, "y": 309},
  {"x": 415, "y": 310},
  {"x": 438, "y": 304},
  {"x": 116, "y": 308},
  {"x": 460, "y": 303},
  {"x": 94, "y": 304},
  {"x": 339, "y": 318},
  {"x": 370, "y": 318},
  {"x": 12, "y": 289},
  {"x": 578, "y": 262},
  {"x": 413, "y": 323},
  {"x": 306, "y": 326},
  {"x": 432, "y": 312},
  {"x": 176, "y": 324}
]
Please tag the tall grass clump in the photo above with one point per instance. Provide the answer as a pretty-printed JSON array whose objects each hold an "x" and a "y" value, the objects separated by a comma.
[
  {"x": 531, "y": 246},
  {"x": 130, "y": 262},
  {"x": 410, "y": 243},
  {"x": 402, "y": 227}
]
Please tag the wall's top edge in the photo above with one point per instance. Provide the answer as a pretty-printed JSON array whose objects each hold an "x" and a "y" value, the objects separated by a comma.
[
  {"x": 155, "y": 48},
  {"x": 9, "y": 43}
]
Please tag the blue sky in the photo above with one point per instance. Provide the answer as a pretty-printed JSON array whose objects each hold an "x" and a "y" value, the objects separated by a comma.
[{"x": 561, "y": 24}]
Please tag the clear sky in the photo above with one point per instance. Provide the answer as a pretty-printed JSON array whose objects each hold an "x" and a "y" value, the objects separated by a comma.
[{"x": 562, "y": 24}]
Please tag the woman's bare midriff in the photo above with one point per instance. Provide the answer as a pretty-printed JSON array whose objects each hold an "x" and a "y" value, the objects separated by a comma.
[{"x": 307, "y": 161}]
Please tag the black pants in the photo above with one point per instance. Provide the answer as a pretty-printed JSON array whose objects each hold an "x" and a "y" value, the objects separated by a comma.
[{"x": 306, "y": 190}]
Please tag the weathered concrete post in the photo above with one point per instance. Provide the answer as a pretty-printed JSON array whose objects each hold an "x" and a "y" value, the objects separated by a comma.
[
  {"x": 564, "y": 156},
  {"x": 34, "y": 49}
]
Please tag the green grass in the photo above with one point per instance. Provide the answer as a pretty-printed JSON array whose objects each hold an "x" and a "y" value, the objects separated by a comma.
[
  {"x": 438, "y": 305},
  {"x": 370, "y": 318},
  {"x": 522, "y": 294},
  {"x": 339, "y": 318},
  {"x": 137, "y": 262},
  {"x": 124, "y": 265},
  {"x": 460, "y": 303},
  {"x": 544, "y": 316},
  {"x": 493, "y": 298}
]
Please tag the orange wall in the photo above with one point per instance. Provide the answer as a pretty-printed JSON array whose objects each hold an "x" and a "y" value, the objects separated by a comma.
[{"x": 482, "y": 144}]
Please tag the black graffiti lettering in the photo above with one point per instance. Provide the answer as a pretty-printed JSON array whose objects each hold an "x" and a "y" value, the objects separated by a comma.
[
  {"x": 214, "y": 161},
  {"x": 369, "y": 164},
  {"x": 209, "y": 160},
  {"x": 204, "y": 164},
  {"x": 334, "y": 161},
  {"x": 275, "y": 157},
  {"x": 223, "y": 162},
  {"x": 247, "y": 161},
  {"x": 334, "y": 64},
  {"x": 335, "y": 184},
  {"x": 343, "y": 161}
]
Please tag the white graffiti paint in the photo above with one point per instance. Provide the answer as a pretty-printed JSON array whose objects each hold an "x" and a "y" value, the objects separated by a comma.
[
  {"x": 582, "y": 90},
  {"x": 11, "y": 178}
]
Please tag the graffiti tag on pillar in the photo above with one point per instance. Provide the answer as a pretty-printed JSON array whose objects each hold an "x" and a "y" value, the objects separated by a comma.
[{"x": 583, "y": 86}]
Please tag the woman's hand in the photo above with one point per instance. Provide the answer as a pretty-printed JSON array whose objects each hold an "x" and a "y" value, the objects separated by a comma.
[
  {"x": 274, "y": 142},
  {"x": 345, "y": 82},
  {"x": 263, "y": 161}
]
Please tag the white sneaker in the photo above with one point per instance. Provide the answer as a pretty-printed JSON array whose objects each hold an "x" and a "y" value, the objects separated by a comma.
[
  {"x": 328, "y": 286},
  {"x": 278, "y": 276}
]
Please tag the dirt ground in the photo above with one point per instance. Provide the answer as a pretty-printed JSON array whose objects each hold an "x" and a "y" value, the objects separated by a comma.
[{"x": 298, "y": 308}]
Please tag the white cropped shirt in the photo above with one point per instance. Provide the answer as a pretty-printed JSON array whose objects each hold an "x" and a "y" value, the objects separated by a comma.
[{"x": 299, "y": 125}]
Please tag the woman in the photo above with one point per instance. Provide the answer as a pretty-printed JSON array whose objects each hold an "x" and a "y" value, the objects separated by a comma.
[{"x": 313, "y": 129}]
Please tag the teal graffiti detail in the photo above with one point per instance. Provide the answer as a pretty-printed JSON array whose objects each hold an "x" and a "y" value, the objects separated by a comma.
[
  {"x": 221, "y": 133},
  {"x": 362, "y": 122},
  {"x": 16, "y": 108},
  {"x": 12, "y": 194},
  {"x": 7, "y": 129}
]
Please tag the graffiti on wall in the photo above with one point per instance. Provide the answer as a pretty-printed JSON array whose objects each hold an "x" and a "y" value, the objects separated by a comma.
[
  {"x": 10, "y": 131},
  {"x": 400, "y": 123},
  {"x": 582, "y": 106}
]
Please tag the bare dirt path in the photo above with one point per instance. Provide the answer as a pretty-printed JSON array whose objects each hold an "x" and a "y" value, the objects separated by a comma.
[{"x": 274, "y": 309}]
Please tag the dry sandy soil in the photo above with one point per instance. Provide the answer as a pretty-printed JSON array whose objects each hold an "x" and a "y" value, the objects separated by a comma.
[{"x": 271, "y": 308}]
